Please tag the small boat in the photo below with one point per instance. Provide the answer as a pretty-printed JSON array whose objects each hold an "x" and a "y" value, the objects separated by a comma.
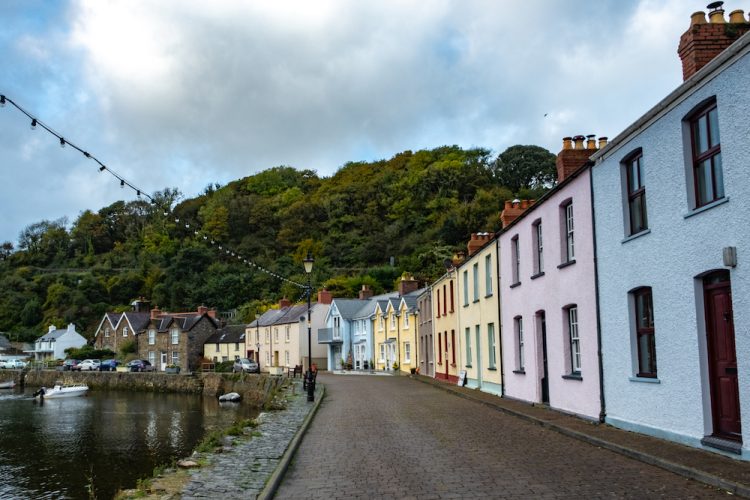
[
  {"x": 7, "y": 384},
  {"x": 61, "y": 391}
]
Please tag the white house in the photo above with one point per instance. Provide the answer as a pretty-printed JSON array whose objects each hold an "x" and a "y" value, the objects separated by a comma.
[
  {"x": 52, "y": 345},
  {"x": 671, "y": 205}
]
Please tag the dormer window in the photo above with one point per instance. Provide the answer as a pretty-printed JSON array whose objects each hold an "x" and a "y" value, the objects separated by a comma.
[
  {"x": 106, "y": 332},
  {"x": 124, "y": 331}
]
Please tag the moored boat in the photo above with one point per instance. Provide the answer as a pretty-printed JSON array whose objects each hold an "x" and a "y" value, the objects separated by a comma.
[
  {"x": 61, "y": 391},
  {"x": 7, "y": 384}
]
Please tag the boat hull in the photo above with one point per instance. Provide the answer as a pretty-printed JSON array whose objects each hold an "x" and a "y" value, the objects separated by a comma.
[{"x": 58, "y": 392}]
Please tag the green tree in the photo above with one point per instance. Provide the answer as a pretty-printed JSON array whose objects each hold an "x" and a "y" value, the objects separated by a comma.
[{"x": 525, "y": 167}]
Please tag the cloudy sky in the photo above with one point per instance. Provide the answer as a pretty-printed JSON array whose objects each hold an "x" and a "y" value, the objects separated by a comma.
[{"x": 183, "y": 93}]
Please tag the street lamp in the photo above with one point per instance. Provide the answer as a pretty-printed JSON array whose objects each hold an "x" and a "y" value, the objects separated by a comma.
[{"x": 308, "y": 261}]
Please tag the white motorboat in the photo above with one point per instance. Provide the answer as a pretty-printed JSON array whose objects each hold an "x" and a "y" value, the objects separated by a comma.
[
  {"x": 7, "y": 384},
  {"x": 61, "y": 391}
]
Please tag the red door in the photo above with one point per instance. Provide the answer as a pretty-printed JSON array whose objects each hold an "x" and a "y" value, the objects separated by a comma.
[{"x": 722, "y": 358}]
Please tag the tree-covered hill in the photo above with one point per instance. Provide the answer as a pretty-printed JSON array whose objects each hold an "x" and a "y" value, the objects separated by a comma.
[{"x": 412, "y": 210}]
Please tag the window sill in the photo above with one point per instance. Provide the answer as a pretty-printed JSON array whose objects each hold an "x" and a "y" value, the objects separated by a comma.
[
  {"x": 467, "y": 366},
  {"x": 517, "y": 283},
  {"x": 566, "y": 264},
  {"x": 520, "y": 372},
  {"x": 705, "y": 207},
  {"x": 636, "y": 235},
  {"x": 645, "y": 380},
  {"x": 492, "y": 369},
  {"x": 453, "y": 365},
  {"x": 488, "y": 296},
  {"x": 475, "y": 301},
  {"x": 538, "y": 275},
  {"x": 573, "y": 376}
]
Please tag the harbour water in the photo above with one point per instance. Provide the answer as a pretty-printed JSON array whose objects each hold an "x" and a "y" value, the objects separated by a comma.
[{"x": 65, "y": 448}]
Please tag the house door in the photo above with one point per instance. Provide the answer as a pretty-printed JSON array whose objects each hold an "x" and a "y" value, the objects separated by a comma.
[
  {"x": 275, "y": 358},
  {"x": 545, "y": 373},
  {"x": 337, "y": 357},
  {"x": 722, "y": 357},
  {"x": 163, "y": 361}
]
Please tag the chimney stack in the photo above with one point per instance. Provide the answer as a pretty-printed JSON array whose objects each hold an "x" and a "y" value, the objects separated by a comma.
[
  {"x": 569, "y": 160},
  {"x": 284, "y": 302},
  {"x": 324, "y": 296},
  {"x": 365, "y": 293},
  {"x": 155, "y": 312},
  {"x": 407, "y": 284},
  {"x": 202, "y": 310},
  {"x": 458, "y": 257},
  {"x": 51, "y": 328},
  {"x": 705, "y": 40},
  {"x": 477, "y": 241},
  {"x": 513, "y": 209}
]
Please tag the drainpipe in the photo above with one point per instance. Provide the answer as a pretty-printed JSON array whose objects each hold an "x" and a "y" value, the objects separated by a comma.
[
  {"x": 602, "y": 403},
  {"x": 499, "y": 320},
  {"x": 398, "y": 340}
]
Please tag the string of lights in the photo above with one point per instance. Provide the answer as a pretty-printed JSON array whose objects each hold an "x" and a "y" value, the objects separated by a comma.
[{"x": 221, "y": 247}]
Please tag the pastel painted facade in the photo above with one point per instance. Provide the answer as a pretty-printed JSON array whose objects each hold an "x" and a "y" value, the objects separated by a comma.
[
  {"x": 279, "y": 338},
  {"x": 548, "y": 295},
  {"x": 426, "y": 342},
  {"x": 226, "y": 344},
  {"x": 52, "y": 345},
  {"x": 341, "y": 332},
  {"x": 674, "y": 285},
  {"x": 445, "y": 327},
  {"x": 478, "y": 328},
  {"x": 385, "y": 346},
  {"x": 408, "y": 335}
]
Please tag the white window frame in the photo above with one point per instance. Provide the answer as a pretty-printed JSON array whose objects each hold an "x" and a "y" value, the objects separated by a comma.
[
  {"x": 570, "y": 252},
  {"x": 174, "y": 334},
  {"x": 575, "y": 340},
  {"x": 176, "y": 358},
  {"x": 488, "y": 275},
  {"x": 152, "y": 358},
  {"x": 467, "y": 334},
  {"x": 475, "y": 276},
  {"x": 518, "y": 325},
  {"x": 286, "y": 358},
  {"x": 393, "y": 320},
  {"x": 539, "y": 248},
  {"x": 151, "y": 336},
  {"x": 276, "y": 334},
  {"x": 466, "y": 288},
  {"x": 406, "y": 319},
  {"x": 491, "y": 346},
  {"x": 382, "y": 353},
  {"x": 124, "y": 331},
  {"x": 515, "y": 255},
  {"x": 106, "y": 332},
  {"x": 407, "y": 352},
  {"x": 287, "y": 335}
]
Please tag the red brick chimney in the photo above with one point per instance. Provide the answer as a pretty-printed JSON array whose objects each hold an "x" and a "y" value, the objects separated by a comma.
[
  {"x": 284, "y": 302},
  {"x": 574, "y": 155},
  {"x": 513, "y": 209},
  {"x": 705, "y": 40},
  {"x": 155, "y": 312},
  {"x": 477, "y": 241},
  {"x": 324, "y": 296},
  {"x": 212, "y": 313},
  {"x": 365, "y": 293},
  {"x": 407, "y": 284}
]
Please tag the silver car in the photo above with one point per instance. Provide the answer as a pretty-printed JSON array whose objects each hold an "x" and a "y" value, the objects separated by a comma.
[{"x": 245, "y": 365}]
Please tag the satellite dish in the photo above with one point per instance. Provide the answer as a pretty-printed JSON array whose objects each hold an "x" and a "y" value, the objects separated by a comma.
[{"x": 448, "y": 263}]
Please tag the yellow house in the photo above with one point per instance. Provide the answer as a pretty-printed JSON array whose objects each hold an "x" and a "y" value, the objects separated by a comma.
[
  {"x": 395, "y": 328},
  {"x": 479, "y": 315},
  {"x": 384, "y": 350},
  {"x": 445, "y": 326},
  {"x": 226, "y": 344}
]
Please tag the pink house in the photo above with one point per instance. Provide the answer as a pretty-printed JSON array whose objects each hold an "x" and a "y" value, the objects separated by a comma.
[{"x": 548, "y": 291}]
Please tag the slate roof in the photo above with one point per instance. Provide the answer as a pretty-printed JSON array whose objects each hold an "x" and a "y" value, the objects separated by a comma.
[
  {"x": 349, "y": 307},
  {"x": 137, "y": 320},
  {"x": 230, "y": 334},
  {"x": 53, "y": 335}
]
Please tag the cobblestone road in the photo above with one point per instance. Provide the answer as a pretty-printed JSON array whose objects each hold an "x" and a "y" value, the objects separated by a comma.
[{"x": 393, "y": 437}]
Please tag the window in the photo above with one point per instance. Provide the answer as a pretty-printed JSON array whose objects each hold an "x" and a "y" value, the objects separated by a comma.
[
  {"x": 393, "y": 320},
  {"x": 175, "y": 357},
  {"x": 175, "y": 336},
  {"x": 257, "y": 337},
  {"x": 707, "y": 170},
  {"x": 636, "y": 193},
  {"x": 538, "y": 243},
  {"x": 644, "y": 330},
  {"x": 569, "y": 253},
  {"x": 453, "y": 346},
  {"x": 124, "y": 331},
  {"x": 518, "y": 324},
  {"x": 437, "y": 296},
  {"x": 475, "y": 276},
  {"x": 468, "y": 347},
  {"x": 381, "y": 323},
  {"x": 268, "y": 358},
  {"x": 286, "y": 333},
  {"x": 336, "y": 327},
  {"x": 286, "y": 358},
  {"x": 217, "y": 348},
  {"x": 152, "y": 358},
  {"x": 151, "y": 337},
  {"x": 268, "y": 335},
  {"x": 451, "y": 291},
  {"x": 407, "y": 352},
  {"x": 492, "y": 361},
  {"x": 406, "y": 319},
  {"x": 515, "y": 256},
  {"x": 106, "y": 332},
  {"x": 466, "y": 288},
  {"x": 382, "y": 353},
  {"x": 488, "y": 275},
  {"x": 236, "y": 346},
  {"x": 575, "y": 341},
  {"x": 276, "y": 334},
  {"x": 440, "y": 346}
]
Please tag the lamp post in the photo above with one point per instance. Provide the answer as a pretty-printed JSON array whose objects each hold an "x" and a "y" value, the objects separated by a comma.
[{"x": 310, "y": 377}]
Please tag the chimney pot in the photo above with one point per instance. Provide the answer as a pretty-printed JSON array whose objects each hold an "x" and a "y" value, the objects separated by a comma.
[
  {"x": 51, "y": 328},
  {"x": 578, "y": 141},
  {"x": 737, "y": 16},
  {"x": 697, "y": 18},
  {"x": 602, "y": 142},
  {"x": 567, "y": 143},
  {"x": 508, "y": 204}
]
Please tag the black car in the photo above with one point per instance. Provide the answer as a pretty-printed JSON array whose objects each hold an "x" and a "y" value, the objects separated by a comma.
[{"x": 140, "y": 365}]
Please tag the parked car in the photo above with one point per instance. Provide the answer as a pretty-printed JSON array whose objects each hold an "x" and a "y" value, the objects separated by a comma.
[
  {"x": 109, "y": 365},
  {"x": 68, "y": 365},
  {"x": 245, "y": 365},
  {"x": 88, "y": 365},
  {"x": 13, "y": 364},
  {"x": 140, "y": 365}
]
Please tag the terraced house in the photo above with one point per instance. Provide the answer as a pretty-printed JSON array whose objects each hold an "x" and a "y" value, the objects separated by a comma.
[
  {"x": 445, "y": 325},
  {"x": 478, "y": 328}
]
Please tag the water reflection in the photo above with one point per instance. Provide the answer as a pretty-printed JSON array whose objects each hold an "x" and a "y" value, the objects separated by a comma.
[{"x": 107, "y": 439}]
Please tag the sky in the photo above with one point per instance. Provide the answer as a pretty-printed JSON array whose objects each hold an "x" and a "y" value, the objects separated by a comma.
[{"x": 187, "y": 93}]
